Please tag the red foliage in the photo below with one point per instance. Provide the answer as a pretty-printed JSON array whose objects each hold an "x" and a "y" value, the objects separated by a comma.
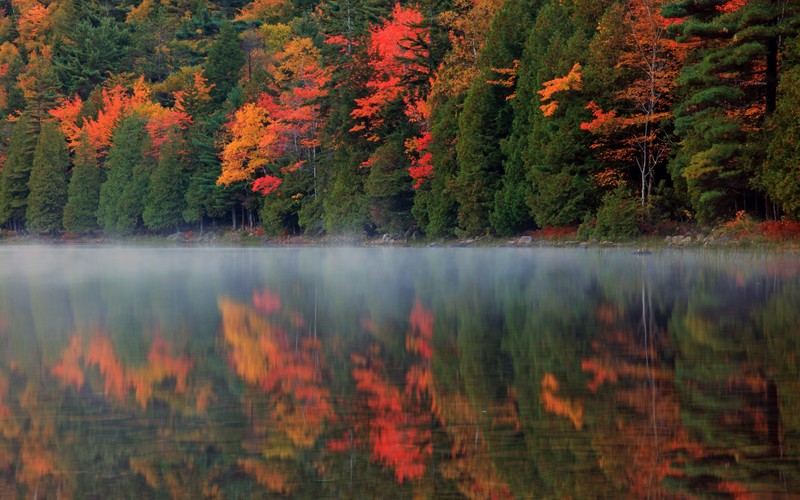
[
  {"x": 389, "y": 56},
  {"x": 266, "y": 184},
  {"x": 781, "y": 230},
  {"x": 266, "y": 301}
]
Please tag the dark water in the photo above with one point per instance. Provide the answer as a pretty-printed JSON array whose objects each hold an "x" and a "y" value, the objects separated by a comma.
[{"x": 441, "y": 373}]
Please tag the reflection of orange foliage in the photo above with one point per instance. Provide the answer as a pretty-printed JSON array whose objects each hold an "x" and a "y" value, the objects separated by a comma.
[
  {"x": 101, "y": 353},
  {"x": 161, "y": 366},
  {"x": 261, "y": 353},
  {"x": 266, "y": 301},
  {"x": 275, "y": 480},
  {"x": 36, "y": 463},
  {"x": 601, "y": 374},
  {"x": 564, "y": 407},
  {"x": 5, "y": 412},
  {"x": 471, "y": 465},
  {"x": 146, "y": 469},
  {"x": 69, "y": 370}
]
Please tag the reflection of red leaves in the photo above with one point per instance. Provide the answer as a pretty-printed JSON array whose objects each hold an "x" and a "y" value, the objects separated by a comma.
[
  {"x": 418, "y": 339},
  {"x": 266, "y": 301},
  {"x": 398, "y": 435}
]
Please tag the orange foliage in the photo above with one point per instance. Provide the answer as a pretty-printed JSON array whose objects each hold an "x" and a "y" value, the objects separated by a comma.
[
  {"x": 119, "y": 380},
  {"x": 259, "y": 10},
  {"x": 69, "y": 370},
  {"x": 101, "y": 353},
  {"x": 68, "y": 113},
  {"x": 732, "y": 6},
  {"x": 116, "y": 103},
  {"x": 276, "y": 481},
  {"x": 781, "y": 230},
  {"x": 508, "y": 78},
  {"x": 5, "y": 412},
  {"x": 281, "y": 126},
  {"x": 570, "y": 82},
  {"x": 262, "y": 354},
  {"x": 571, "y": 409}
]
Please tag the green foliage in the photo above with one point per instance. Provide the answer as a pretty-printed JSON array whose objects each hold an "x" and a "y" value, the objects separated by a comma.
[
  {"x": 94, "y": 50},
  {"x": 224, "y": 63},
  {"x": 122, "y": 194},
  {"x": 618, "y": 216},
  {"x": 779, "y": 177},
  {"x": 48, "y": 181},
  {"x": 83, "y": 195},
  {"x": 16, "y": 172},
  {"x": 435, "y": 208},
  {"x": 388, "y": 188},
  {"x": 164, "y": 202}
]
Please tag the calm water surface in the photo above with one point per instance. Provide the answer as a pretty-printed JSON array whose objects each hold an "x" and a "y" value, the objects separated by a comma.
[{"x": 441, "y": 373}]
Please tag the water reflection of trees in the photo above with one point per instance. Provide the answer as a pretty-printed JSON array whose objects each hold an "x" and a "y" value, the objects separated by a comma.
[{"x": 557, "y": 381}]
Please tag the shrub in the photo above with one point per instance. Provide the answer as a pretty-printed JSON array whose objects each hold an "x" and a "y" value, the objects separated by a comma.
[{"x": 617, "y": 217}]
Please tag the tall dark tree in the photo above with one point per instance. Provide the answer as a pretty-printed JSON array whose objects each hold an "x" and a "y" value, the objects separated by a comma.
[
  {"x": 728, "y": 86},
  {"x": 164, "y": 202},
  {"x": 83, "y": 195},
  {"x": 48, "y": 181},
  {"x": 93, "y": 51},
  {"x": 129, "y": 167},
  {"x": 16, "y": 173},
  {"x": 225, "y": 62}
]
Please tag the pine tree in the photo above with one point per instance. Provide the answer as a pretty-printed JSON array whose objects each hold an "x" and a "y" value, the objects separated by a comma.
[
  {"x": 225, "y": 62},
  {"x": 122, "y": 194},
  {"x": 83, "y": 195},
  {"x": 164, "y": 202},
  {"x": 16, "y": 173},
  {"x": 48, "y": 181},
  {"x": 728, "y": 87}
]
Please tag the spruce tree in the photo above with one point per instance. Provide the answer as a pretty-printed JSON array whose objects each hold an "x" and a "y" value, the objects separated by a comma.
[
  {"x": 225, "y": 61},
  {"x": 83, "y": 195},
  {"x": 48, "y": 181},
  {"x": 16, "y": 173},
  {"x": 122, "y": 194},
  {"x": 164, "y": 202}
]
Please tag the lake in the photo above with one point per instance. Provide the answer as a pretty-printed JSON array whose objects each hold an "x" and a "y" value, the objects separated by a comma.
[{"x": 395, "y": 372}]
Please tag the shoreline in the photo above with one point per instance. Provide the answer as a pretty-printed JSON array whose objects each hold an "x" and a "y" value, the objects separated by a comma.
[{"x": 246, "y": 239}]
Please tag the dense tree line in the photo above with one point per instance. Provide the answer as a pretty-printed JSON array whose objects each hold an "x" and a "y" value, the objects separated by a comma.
[{"x": 447, "y": 117}]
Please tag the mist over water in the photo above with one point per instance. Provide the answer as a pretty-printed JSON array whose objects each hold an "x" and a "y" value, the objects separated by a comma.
[{"x": 313, "y": 372}]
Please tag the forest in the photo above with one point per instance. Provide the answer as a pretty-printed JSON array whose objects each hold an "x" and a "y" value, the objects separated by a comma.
[{"x": 438, "y": 117}]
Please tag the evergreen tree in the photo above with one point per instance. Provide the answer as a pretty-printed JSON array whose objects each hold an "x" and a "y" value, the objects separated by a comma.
[
  {"x": 16, "y": 173},
  {"x": 224, "y": 63},
  {"x": 164, "y": 202},
  {"x": 555, "y": 151},
  {"x": 94, "y": 50},
  {"x": 487, "y": 117},
  {"x": 48, "y": 181},
  {"x": 728, "y": 87},
  {"x": 83, "y": 195},
  {"x": 122, "y": 194},
  {"x": 779, "y": 175},
  {"x": 389, "y": 187}
]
